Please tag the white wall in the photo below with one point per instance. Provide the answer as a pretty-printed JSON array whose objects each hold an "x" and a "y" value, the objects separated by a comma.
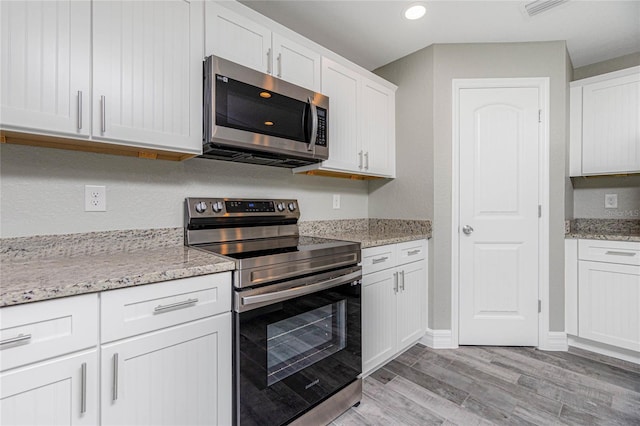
[{"x": 42, "y": 190}]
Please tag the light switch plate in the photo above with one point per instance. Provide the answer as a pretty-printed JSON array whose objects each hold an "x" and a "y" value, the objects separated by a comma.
[{"x": 610, "y": 201}]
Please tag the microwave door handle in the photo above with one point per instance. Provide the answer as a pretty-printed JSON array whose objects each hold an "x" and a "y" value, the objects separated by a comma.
[{"x": 314, "y": 125}]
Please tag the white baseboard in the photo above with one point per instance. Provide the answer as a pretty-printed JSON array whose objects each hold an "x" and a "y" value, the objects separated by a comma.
[
  {"x": 438, "y": 339},
  {"x": 556, "y": 341},
  {"x": 604, "y": 349}
]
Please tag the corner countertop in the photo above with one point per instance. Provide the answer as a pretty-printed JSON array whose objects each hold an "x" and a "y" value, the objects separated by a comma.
[
  {"x": 40, "y": 268},
  {"x": 603, "y": 229},
  {"x": 369, "y": 232}
]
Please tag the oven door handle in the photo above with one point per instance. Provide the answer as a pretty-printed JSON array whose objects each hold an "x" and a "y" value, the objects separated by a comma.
[{"x": 290, "y": 293}]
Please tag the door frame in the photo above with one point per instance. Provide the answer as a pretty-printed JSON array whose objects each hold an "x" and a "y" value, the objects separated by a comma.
[{"x": 542, "y": 84}]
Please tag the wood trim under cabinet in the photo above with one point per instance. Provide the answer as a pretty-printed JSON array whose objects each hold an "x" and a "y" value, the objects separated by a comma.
[
  {"x": 343, "y": 175},
  {"x": 46, "y": 141}
]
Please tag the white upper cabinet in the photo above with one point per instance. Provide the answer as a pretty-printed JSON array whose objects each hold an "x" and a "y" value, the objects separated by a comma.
[
  {"x": 239, "y": 39},
  {"x": 605, "y": 124},
  {"x": 45, "y": 66},
  {"x": 147, "y": 73},
  {"x": 361, "y": 124}
]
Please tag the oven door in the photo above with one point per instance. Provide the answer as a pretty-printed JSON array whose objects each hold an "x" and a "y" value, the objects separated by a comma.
[{"x": 298, "y": 347}]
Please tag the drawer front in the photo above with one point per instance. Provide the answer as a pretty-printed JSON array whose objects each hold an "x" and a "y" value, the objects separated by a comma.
[
  {"x": 378, "y": 258},
  {"x": 40, "y": 330},
  {"x": 621, "y": 252},
  {"x": 411, "y": 251},
  {"x": 133, "y": 311}
]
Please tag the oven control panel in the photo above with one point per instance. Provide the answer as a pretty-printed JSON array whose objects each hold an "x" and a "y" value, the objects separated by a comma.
[{"x": 240, "y": 207}]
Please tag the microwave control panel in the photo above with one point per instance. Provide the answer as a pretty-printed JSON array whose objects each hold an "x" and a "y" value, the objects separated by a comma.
[{"x": 321, "y": 136}]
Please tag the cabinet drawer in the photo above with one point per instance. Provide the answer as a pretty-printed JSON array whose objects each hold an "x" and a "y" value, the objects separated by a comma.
[
  {"x": 42, "y": 330},
  {"x": 411, "y": 251},
  {"x": 621, "y": 252},
  {"x": 378, "y": 258},
  {"x": 132, "y": 311}
]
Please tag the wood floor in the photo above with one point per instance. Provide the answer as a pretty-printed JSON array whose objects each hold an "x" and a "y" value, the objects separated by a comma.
[{"x": 485, "y": 385}]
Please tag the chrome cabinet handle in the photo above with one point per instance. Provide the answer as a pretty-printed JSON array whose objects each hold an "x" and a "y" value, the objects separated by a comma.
[
  {"x": 83, "y": 397},
  {"x": 114, "y": 396},
  {"x": 183, "y": 304},
  {"x": 79, "y": 109},
  {"x": 380, "y": 259},
  {"x": 402, "y": 285},
  {"x": 360, "y": 160},
  {"x": 279, "y": 64},
  {"x": 467, "y": 229},
  {"x": 366, "y": 160},
  {"x": 19, "y": 338},
  {"x": 395, "y": 282},
  {"x": 620, "y": 253},
  {"x": 412, "y": 252},
  {"x": 103, "y": 114},
  {"x": 269, "y": 70}
]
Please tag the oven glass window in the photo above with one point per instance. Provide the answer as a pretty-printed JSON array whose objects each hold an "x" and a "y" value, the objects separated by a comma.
[
  {"x": 253, "y": 109},
  {"x": 302, "y": 340}
]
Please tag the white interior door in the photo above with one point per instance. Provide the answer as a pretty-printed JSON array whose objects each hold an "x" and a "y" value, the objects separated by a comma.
[{"x": 498, "y": 216}]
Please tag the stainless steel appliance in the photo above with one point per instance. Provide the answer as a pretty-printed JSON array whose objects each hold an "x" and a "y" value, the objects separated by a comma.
[
  {"x": 296, "y": 307},
  {"x": 253, "y": 117}
]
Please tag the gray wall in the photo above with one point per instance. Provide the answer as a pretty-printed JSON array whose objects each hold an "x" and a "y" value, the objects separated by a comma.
[
  {"x": 410, "y": 195},
  {"x": 42, "y": 190},
  {"x": 604, "y": 67},
  {"x": 545, "y": 59},
  {"x": 589, "y": 197}
]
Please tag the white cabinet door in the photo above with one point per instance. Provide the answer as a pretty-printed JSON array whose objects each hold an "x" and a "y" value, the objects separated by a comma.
[
  {"x": 412, "y": 301},
  {"x": 342, "y": 86},
  {"x": 147, "y": 73},
  {"x": 611, "y": 126},
  {"x": 45, "y": 57},
  {"x": 62, "y": 391},
  {"x": 295, "y": 63},
  {"x": 609, "y": 296},
  {"x": 377, "y": 118},
  {"x": 179, "y": 375},
  {"x": 379, "y": 315},
  {"x": 238, "y": 39}
]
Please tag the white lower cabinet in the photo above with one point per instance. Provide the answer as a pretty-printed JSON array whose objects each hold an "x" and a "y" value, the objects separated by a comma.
[
  {"x": 180, "y": 375},
  {"x": 602, "y": 294},
  {"x": 62, "y": 391},
  {"x": 394, "y": 301},
  {"x": 165, "y": 357}
]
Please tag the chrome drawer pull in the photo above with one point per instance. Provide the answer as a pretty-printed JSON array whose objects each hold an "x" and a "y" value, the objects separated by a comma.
[
  {"x": 79, "y": 109},
  {"x": 19, "y": 338},
  {"x": 114, "y": 395},
  {"x": 620, "y": 253},
  {"x": 380, "y": 259},
  {"x": 83, "y": 397},
  {"x": 183, "y": 304},
  {"x": 412, "y": 252},
  {"x": 402, "y": 285},
  {"x": 395, "y": 282}
]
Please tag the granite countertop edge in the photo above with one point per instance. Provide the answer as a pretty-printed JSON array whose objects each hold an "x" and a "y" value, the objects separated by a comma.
[
  {"x": 372, "y": 240},
  {"x": 608, "y": 237},
  {"x": 141, "y": 273}
]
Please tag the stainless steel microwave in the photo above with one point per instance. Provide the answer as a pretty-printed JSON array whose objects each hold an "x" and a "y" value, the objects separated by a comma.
[{"x": 252, "y": 117}]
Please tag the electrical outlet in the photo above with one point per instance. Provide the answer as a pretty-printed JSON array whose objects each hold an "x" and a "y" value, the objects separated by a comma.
[
  {"x": 610, "y": 201},
  {"x": 95, "y": 198},
  {"x": 336, "y": 201}
]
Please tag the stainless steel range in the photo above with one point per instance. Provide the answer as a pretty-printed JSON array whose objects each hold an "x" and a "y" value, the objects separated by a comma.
[{"x": 297, "y": 332}]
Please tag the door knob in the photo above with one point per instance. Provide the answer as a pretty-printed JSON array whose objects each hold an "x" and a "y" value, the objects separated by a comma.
[{"x": 467, "y": 229}]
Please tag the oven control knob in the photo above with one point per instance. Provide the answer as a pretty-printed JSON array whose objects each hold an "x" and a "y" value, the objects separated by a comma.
[
  {"x": 201, "y": 207},
  {"x": 280, "y": 207},
  {"x": 217, "y": 206},
  {"x": 292, "y": 207}
]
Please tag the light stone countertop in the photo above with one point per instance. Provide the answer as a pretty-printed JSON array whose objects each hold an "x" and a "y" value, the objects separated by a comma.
[
  {"x": 40, "y": 275},
  {"x": 603, "y": 229},
  {"x": 609, "y": 237},
  {"x": 369, "y": 232}
]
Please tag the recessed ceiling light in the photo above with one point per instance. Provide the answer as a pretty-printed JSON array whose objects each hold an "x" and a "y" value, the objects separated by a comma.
[{"x": 415, "y": 11}]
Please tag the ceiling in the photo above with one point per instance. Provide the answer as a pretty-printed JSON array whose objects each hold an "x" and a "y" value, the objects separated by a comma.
[{"x": 374, "y": 33}]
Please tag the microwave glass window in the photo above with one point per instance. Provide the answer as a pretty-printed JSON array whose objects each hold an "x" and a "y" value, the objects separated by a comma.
[
  {"x": 253, "y": 109},
  {"x": 302, "y": 340}
]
